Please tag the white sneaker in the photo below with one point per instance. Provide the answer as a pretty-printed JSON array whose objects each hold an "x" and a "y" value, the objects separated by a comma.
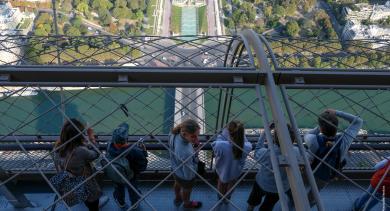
[{"x": 103, "y": 201}]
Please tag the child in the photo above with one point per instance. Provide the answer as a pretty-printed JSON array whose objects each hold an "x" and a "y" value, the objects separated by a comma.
[
  {"x": 229, "y": 156},
  {"x": 265, "y": 185},
  {"x": 117, "y": 146},
  {"x": 384, "y": 189},
  {"x": 181, "y": 141}
]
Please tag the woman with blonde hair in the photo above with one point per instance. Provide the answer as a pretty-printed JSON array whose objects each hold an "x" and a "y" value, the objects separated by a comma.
[
  {"x": 230, "y": 150},
  {"x": 184, "y": 161}
]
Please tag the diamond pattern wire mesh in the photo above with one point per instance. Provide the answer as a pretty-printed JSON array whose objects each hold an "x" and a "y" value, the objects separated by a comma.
[
  {"x": 37, "y": 111},
  {"x": 311, "y": 53}
]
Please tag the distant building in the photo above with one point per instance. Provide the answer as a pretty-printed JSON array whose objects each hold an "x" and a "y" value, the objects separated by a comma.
[
  {"x": 9, "y": 17},
  {"x": 181, "y": 3},
  {"x": 355, "y": 31},
  {"x": 367, "y": 12},
  {"x": 12, "y": 22}
]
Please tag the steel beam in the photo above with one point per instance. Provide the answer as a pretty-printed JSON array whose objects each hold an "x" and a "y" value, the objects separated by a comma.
[
  {"x": 13, "y": 195},
  {"x": 151, "y": 76},
  {"x": 293, "y": 173}
]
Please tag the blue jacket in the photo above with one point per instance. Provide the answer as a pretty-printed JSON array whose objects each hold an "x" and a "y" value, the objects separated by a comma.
[
  {"x": 345, "y": 139},
  {"x": 265, "y": 177},
  {"x": 113, "y": 152},
  {"x": 182, "y": 150},
  {"x": 226, "y": 166}
]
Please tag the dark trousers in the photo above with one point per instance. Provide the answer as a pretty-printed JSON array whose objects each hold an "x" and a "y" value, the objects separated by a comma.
[
  {"x": 92, "y": 206},
  {"x": 256, "y": 196},
  {"x": 119, "y": 191}
]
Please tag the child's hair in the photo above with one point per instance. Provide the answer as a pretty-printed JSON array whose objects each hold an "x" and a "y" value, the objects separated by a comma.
[
  {"x": 189, "y": 126},
  {"x": 328, "y": 123},
  {"x": 236, "y": 132},
  {"x": 71, "y": 130},
  {"x": 290, "y": 131}
]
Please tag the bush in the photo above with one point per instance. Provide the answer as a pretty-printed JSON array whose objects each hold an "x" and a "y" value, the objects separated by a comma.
[{"x": 292, "y": 28}]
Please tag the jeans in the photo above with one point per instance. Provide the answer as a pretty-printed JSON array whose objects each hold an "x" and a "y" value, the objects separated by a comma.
[
  {"x": 92, "y": 206},
  {"x": 256, "y": 196},
  {"x": 119, "y": 192},
  {"x": 363, "y": 199}
]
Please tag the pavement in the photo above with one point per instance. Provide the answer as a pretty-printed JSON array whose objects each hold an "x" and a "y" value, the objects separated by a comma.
[
  {"x": 211, "y": 18},
  {"x": 338, "y": 196},
  {"x": 166, "y": 21}
]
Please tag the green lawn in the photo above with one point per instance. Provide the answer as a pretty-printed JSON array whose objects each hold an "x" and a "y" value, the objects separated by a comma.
[
  {"x": 176, "y": 19},
  {"x": 202, "y": 17},
  {"x": 44, "y": 54},
  {"x": 149, "y": 12}
]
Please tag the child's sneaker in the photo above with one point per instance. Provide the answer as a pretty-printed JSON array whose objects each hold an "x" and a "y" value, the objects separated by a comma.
[
  {"x": 120, "y": 204},
  {"x": 193, "y": 205}
]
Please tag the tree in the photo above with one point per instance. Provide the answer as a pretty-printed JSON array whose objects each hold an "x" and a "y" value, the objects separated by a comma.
[
  {"x": 142, "y": 4},
  {"x": 135, "y": 53},
  {"x": 40, "y": 32},
  {"x": 139, "y": 15},
  {"x": 291, "y": 9},
  {"x": 44, "y": 18},
  {"x": 76, "y": 21},
  {"x": 82, "y": 7},
  {"x": 101, "y": 4},
  {"x": 134, "y": 4},
  {"x": 308, "y": 5},
  {"x": 273, "y": 22},
  {"x": 121, "y": 12},
  {"x": 292, "y": 28},
  {"x": 67, "y": 5},
  {"x": 229, "y": 23},
  {"x": 73, "y": 31},
  {"x": 236, "y": 2},
  {"x": 83, "y": 30},
  {"x": 236, "y": 15},
  {"x": 317, "y": 61},
  {"x": 279, "y": 11},
  {"x": 105, "y": 16},
  {"x": 120, "y": 3},
  {"x": 268, "y": 11}
]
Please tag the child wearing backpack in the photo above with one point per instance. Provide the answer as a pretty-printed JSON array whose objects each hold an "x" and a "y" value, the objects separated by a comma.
[
  {"x": 128, "y": 164},
  {"x": 383, "y": 191},
  {"x": 324, "y": 140}
]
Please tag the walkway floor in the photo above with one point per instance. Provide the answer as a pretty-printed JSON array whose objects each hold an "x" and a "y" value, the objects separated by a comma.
[{"x": 338, "y": 196}]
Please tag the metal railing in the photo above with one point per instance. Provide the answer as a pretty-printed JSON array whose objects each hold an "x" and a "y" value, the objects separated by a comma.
[{"x": 155, "y": 84}]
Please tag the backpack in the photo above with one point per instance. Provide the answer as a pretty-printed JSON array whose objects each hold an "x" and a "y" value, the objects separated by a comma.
[
  {"x": 333, "y": 159},
  {"x": 138, "y": 159},
  {"x": 122, "y": 165}
]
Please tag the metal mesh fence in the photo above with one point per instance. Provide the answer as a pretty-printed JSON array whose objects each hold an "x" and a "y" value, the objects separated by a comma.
[{"x": 152, "y": 110}]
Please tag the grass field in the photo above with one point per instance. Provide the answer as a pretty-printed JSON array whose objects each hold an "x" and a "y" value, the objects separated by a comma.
[
  {"x": 176, "y": 19},
  {"x": 202, "y": 17},
  {"x": 149, "y": 12}
]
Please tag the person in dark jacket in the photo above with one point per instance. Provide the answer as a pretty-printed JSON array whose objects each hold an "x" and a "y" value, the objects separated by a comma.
[
  {"x": 116, "y": 147},
  {"x": 324, "y": 139}
]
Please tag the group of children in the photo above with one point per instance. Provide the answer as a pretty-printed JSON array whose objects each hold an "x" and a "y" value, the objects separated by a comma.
[{"x": 230, "y": 150}]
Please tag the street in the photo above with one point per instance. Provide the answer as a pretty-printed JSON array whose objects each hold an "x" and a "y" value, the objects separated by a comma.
[
  {"x": 166, "y": 28},
  {"x": 211, "y": 18}
]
